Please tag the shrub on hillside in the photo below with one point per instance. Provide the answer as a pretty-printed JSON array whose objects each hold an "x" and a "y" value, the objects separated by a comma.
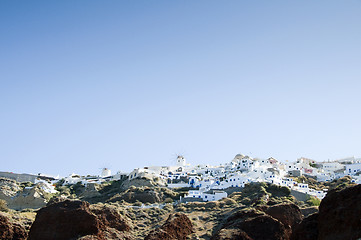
[
  {"x": 3, "y": 206},
  {"x": 278, "y": 191},
  {"x": 168, "y": 200},
  {"x": 257, "y": 193},
  {"x": 313, "y": 201},
  {"x": 26, "y": 184}
]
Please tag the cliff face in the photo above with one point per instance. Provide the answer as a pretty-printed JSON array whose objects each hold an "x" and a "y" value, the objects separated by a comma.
[
  {"x": 19, "y": 198},
  {"x": 338, "y": 217},
  {"x": 8, "y": 189},
  {"x": 275, "y": 222},
  {"x": 340, "y": 213},
  {"x": 177, "y": 226},
  {"x": 74, "y": 219},
  {"x": 10, "y": 230}
]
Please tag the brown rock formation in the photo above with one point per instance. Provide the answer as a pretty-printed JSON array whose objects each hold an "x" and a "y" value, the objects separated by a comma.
[
  {"x": 232, "y": 234},
  {"x": 338, "y": 217},
  {"x": 74, "y": 219},
  {"x": 307, "y": 229},
  {"x": 307, "y": 211},
  {"x": 11, "y": 231},
  {"x": 340, "y": 213},
  {"x": 288, "y": 214},
  {"x": 251, "y": 225},
  {"x": 146, "y": 196},
  {"x": 178, "y": 226}
]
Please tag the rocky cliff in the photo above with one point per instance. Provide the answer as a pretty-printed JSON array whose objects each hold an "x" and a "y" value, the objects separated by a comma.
[{"x": 338, "y": 217}]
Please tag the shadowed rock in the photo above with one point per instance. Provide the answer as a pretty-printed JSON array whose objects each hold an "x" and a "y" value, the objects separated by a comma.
[
  {"x": 340, "y": 214},
  {"x": 338, "y": 217},
  {"x": 178, "y": 226},
  {"x": 74, "y": 219},
  {"x": 251, "y": 225},
  {"x": 307, "y": 229},
  {"x": 11, "y": 231},
  {"x": 288, "y": 214}
]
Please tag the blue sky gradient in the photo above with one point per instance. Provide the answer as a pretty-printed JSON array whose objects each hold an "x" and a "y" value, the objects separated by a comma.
[{"x": 124, "y": 84}]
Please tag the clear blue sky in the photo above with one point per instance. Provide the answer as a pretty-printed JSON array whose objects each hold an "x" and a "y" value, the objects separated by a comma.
[{"x": 124, "y": 84}]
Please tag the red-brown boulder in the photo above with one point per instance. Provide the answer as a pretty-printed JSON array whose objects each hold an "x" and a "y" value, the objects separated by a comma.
[
  {"x": 251, "y": 225},
  {"x": 74, "y": 219},
  {"x": 340, "y": 214},
  {"x": 338, "y": 217},
  {"x": 11, "y": 231},
  {"x": 178, "y": 226},
  {"x": 288, "y": 214},
  {"x": 307, "y": 229}
]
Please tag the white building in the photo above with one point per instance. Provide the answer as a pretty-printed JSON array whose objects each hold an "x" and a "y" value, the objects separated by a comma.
[
  {"x": 106, "y": 173},
  {"x": 332, "y": 166},
  {"x": 212, "y": 195},
  {"x": 352, "y": 169}
]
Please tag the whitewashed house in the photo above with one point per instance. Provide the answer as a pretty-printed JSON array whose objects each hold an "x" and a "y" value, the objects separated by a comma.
[
  {"x": 73, "y": 179},
  {"x": 288, "y": 182},
  {"x": 332, "y": 166},
  {"x": 212, "y": 195},
  {"x": 352, "y": 169}
]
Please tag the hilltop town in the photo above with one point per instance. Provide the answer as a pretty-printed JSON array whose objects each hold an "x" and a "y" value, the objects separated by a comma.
[
  {"x": 208, "y": 183},
  {"x": 305, "y": 179},
  {"x": 208, "y": 202}
]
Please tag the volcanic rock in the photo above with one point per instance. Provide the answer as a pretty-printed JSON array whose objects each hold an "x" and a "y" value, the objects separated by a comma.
[
  {"x": 90, "y": 191},
  {"x": 307, "y": 211},
  {"x": 288, "y": 214},
  {"x": 144, "y": 195},
  {"x": 75, "y": 219},
  {"x": 178, "y": 226},
  {"x": 340, "y": 214},
  {"x": 307, "y": 229},
  {"x": 11, "y": 231},
  {"x": 146, "y": 181},
  {"x": 251, "y": 225},
  {"x": 338, "y": 217}
]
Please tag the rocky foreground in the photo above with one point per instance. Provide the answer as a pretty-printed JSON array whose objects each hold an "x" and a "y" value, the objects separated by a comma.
[{"x": 259, "y": 211}]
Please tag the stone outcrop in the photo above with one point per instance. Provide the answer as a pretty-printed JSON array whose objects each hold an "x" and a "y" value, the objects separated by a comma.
[
  {"x": 8, "y": 189},
  {"x": 288, "y": 214},
  {"x": 178, "y": 226},
  {"x": 149, "y": 181},
  {"x": 144, "y": 195},
  {"x": 20, "y": 198},
  {"x": 251, "y": 225},
  {"x": 11, "y": 231},
  {"x": 307, "y": 211},
  {"x": 339, "y": 214},
  {"x": 28, "y": 198},
  {"x": 90, "y": 191},
  {"x": 338, "y": 217},
  {"x": 307, "y": 229},
  {"x": 77, "y": 219}
]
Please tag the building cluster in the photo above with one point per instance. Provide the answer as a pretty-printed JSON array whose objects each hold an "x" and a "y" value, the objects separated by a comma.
[
  {"x": 207, "y": 183},
  {"x": 210, "y": 181},
  {"x": 105, "y": 176}
]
